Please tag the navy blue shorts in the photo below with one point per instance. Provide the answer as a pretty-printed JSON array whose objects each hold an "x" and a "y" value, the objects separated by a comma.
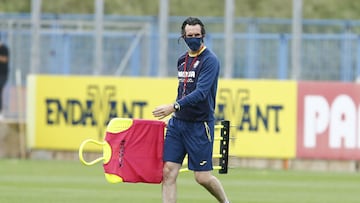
[{"x": 193, "y": 138}]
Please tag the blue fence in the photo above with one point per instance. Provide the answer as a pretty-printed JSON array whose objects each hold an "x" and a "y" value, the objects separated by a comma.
[
  {"x": 330, "y": 48},
  {"x": 262, "y": 47}
]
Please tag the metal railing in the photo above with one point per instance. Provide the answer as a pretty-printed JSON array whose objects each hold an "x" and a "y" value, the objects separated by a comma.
[{"x": 330, "y": 48}]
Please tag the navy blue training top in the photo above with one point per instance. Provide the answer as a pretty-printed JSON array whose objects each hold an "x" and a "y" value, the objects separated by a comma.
[
  {"x": 197, "y": 86},
  {"x": 4, "y": 67}
]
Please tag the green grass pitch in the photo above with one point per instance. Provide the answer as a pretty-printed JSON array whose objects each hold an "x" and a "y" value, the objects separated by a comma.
[{"x": 37, "y": 181}]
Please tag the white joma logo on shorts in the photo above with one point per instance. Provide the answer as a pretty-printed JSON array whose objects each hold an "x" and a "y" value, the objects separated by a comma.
[{"x": 203, "y": 163}]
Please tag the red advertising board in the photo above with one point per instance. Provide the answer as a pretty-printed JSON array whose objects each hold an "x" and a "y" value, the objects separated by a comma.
[{"x": 328, "y": 120}]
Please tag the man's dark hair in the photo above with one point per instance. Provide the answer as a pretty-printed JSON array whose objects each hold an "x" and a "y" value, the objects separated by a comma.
[{"x": 192, "y": 21}]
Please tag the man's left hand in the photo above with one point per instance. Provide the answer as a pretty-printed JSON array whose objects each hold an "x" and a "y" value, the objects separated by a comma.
[{"x": 163, "y": 111}]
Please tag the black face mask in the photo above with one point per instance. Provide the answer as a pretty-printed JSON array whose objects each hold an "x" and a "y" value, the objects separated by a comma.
[{"x": 193, "y": 43}]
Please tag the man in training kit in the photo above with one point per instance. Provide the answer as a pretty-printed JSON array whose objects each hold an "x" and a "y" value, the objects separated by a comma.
[
  {"x": 4, "y": 69},
  {"x": 191, "y": 128}
]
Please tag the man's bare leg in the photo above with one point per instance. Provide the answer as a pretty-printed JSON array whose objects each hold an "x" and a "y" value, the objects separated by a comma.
[
  {"x": 212, "y": 184},
  {"x": 170, "y": 174}
]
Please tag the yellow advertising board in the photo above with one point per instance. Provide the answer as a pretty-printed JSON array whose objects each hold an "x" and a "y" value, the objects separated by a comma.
[
  {"x": 63, "y": 111},
  {"x": 262, "y": 116}
]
